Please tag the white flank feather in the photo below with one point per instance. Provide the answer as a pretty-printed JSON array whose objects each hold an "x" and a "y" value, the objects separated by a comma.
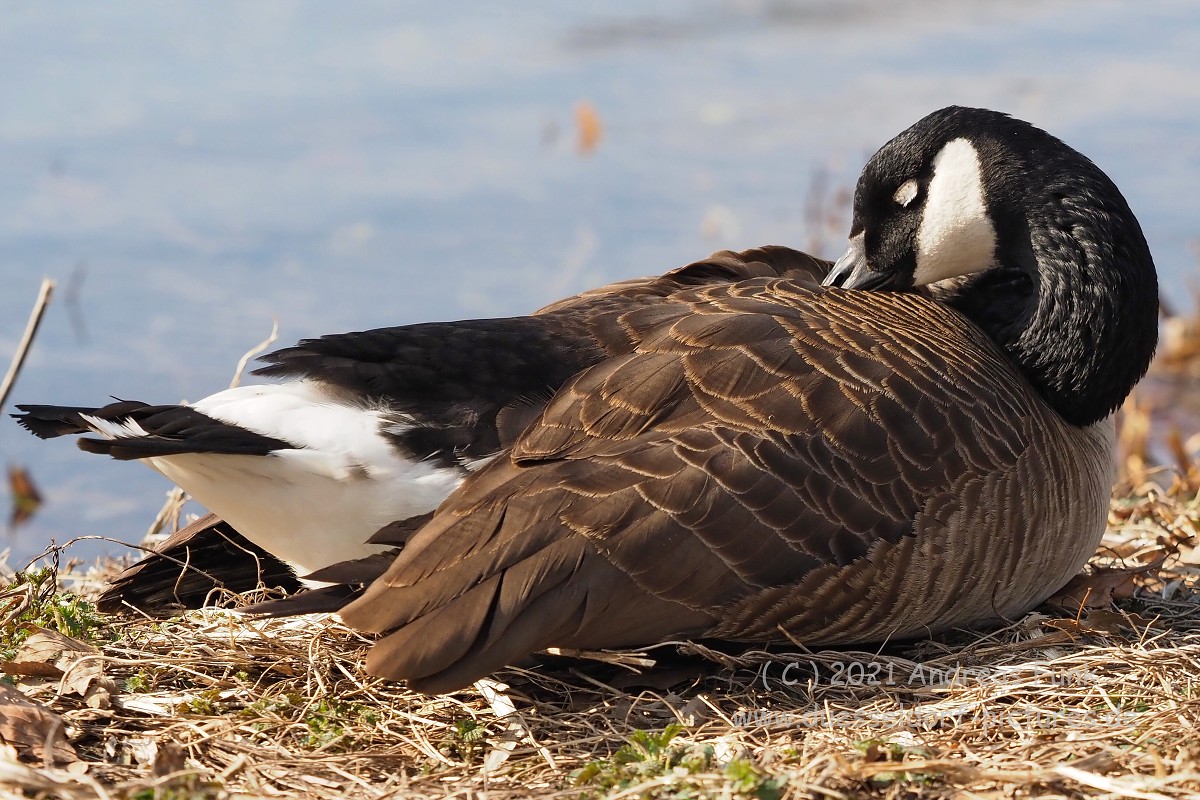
[{"x": 317, "y": 504}]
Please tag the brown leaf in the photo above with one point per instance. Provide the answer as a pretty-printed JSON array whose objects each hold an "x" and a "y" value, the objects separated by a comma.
[
  {"x": 26, "y": 499},
  {"x": 74, "y": 660},
  {"x": 1099, "y": 588},
  {"x": 99, "y": 695},
  {"x": 873, "y": 753},
  {"x": 1104, "y": 621},
  {"x": 34, "y": 730},
  {"x": 1069, "y": 626},
  {"x": 169, "y": 758},
  {"x": 45, "y": 644},
  {"x": 30, "y": 669},
  {"x": 1101, "y": 620},
  {"x": 587, "y": 122}
]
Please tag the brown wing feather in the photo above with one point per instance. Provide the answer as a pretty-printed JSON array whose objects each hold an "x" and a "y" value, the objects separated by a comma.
[
  {"x": 588, "y": 324},
  {"x": 766, "y": 443},
  {"x": 724, "y": 266}
]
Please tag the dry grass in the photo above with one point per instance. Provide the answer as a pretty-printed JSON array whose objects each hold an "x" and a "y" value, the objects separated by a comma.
[{"x": 1098, "y": 701}]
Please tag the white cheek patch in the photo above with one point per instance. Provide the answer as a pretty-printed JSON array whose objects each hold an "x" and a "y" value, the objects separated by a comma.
[
  {"x": 956, "y": 236},
  {"x": 906, "y": 193}
]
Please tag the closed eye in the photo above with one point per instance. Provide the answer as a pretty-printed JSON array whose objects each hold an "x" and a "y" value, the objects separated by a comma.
[{"x": 907, "y": 192}]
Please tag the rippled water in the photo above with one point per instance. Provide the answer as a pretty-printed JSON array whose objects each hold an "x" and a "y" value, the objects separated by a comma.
[{"x": 203, "y": 169}]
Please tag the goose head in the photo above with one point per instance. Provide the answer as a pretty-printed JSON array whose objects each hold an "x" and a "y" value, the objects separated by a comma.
[{"x": 1023, "y": 235}]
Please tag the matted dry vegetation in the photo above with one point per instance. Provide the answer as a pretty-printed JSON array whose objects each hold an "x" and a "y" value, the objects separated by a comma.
[{"x": 1095, "y": 696}]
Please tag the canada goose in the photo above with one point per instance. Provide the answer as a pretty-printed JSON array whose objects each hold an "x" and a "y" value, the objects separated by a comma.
[
  {"x": 765, "y": 457},
  {"x": 774, "y": 458},
  {"x": 371, "y": 429}
]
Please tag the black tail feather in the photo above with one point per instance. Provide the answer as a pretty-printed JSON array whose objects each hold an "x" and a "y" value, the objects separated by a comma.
[
  {"x": 189, "y": 566},
  {"x": 170, "y": 430},
  {"x": 47, "y": 422}
]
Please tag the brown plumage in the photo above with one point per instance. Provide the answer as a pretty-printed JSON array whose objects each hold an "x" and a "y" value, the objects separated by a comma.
[
  {"x": 769, "y": 452},
  {"x": 772, "y": 459},
  {"x": 210, "y": 554}
]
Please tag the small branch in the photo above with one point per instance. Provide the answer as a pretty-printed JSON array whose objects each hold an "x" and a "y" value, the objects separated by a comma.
[
  {"x": 168, "y": 513},
  {"x": 31, "y": 327},
  {"x": 253, "y": 351}
]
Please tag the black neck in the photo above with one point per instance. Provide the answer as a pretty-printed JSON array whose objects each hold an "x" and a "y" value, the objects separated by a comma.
[{"x": 1074, "y": 301}]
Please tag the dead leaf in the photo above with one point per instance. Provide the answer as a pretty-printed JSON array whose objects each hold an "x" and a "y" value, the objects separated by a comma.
[
  {"x": 587, "y": 123},
  {"x": 1189, "y": 555},
  {"x": 1107, "y": 621},
  {"x": 1099, "y": 588},
  {"x": 48, "y": 653},
  {"x": 169, "y": 758},
  {"x": 1101, "y": 620},
  {"x": 100, "y": 694},
  {"x": 26, "y": 499},
  {"x": 873, "y": 753},
  {"x": 76, "y": 768},
  {"x": 45, "y": 644},
  {"x": 143, "y": 751},
  {"x": 695, "y": 711},
  {"x": 30, "y": 669},
  {"x": 1183, "y": 460},
  {"x": 35, "y": 731}
]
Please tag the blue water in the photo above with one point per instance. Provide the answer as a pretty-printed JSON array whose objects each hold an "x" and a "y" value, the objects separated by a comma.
[{"x": 204, "y": 169}]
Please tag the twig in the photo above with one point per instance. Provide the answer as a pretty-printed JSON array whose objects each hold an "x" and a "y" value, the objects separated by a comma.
[
  {"x": 253, "y": 351},
  {"x": 35, "y": 319}
]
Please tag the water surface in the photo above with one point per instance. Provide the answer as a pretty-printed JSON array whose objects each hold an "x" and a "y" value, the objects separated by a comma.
[{"x": 202, "y": 170}]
